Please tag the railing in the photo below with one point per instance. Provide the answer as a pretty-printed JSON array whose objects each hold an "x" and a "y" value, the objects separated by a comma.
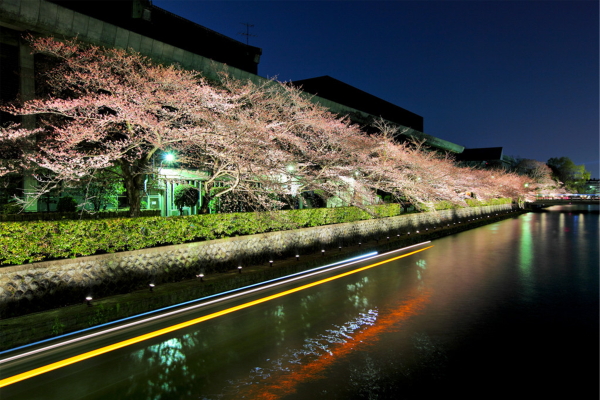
[
  {"x": 547, "y": 201},
  {"x": 54, "y": 216},
  {"x": 569, "y": 197}
]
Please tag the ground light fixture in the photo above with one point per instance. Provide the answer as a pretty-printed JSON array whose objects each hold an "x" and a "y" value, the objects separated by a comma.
[
  {"x": 151, "y": 286},
  {"x": 88, "y": 300},
  {"x": 240, "y": 269},
  {"x": 201, "y": 276}
]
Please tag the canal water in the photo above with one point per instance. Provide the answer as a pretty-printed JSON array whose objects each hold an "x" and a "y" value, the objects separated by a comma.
[{"x": 507, "y": 309}]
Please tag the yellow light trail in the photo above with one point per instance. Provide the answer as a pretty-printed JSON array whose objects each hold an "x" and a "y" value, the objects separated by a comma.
[{"x": 172, "y": 328}]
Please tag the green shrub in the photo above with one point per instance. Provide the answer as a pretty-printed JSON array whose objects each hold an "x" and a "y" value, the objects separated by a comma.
[
  {"x": 185, "y": 196},
  {"x": 66, "y": 204},
  {"x": 445, "y": 205},
  {"x": 10, "y": 208},
  {"x": 22, "y": 242},
  {"x": 489, "y": 202}
]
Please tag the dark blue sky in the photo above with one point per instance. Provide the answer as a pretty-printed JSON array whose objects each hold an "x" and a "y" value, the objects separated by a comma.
[{"x": 522, "y": 75}]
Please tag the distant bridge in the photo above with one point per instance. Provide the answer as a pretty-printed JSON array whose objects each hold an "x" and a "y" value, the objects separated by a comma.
[{"x": 564, "y": 201}]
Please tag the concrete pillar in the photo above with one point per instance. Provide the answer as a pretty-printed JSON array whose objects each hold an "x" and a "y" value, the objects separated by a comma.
[
  {"x": 27, "y": 92},
  {"x": 169, "y": 197}
]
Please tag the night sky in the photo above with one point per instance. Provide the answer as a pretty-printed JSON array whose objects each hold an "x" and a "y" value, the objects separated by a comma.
[{"x": 522, "y": 75}]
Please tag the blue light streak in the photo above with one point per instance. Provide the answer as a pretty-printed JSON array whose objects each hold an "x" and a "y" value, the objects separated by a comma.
[{"x": 364, "y": 256}]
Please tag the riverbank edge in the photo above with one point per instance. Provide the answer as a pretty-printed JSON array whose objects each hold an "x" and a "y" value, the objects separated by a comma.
[
  {"x": 46, "y": 285},
  {"x": 30, "y": 328}
]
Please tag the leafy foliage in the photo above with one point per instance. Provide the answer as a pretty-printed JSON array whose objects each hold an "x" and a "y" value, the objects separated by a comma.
[
  {"x": 268, "y": 143},
  {"x": 101, "y": 189},
  {"x": 572, "y": 176},
  {"x": 66, "y": 204},
  {"x": 10, "y": 208},
  {"x": 22, "y": 242},
  {"x": 186, "y": 196}
]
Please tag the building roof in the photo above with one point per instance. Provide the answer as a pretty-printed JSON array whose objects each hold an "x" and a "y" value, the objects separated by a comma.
[
  {"x": 340, "y": 92},
  {"x": 141, "y": 17}
]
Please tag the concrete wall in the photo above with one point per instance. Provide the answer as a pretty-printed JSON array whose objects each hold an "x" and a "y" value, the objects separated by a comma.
[
  {"x": 51, "y": 19},
  {"x": 62, "y": 282}
]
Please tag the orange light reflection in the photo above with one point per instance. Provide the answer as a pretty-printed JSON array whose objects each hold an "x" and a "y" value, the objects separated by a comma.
[{"x": 279, "y": 385}]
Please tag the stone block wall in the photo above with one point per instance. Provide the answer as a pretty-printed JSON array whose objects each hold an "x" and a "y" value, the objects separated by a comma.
[{"x": 62, "y": 282}]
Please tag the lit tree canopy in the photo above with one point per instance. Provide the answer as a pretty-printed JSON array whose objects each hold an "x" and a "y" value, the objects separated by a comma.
[
  {"x": 109, "y": 107},
  {"x": 259, "y": 144},
  {"x": 571, "y": 175}
]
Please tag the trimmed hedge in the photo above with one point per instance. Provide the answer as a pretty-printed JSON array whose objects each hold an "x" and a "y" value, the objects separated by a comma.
[
  {"x": 23, "y": 242},
  {"x": 490, "y": 202},
  {"x": 446, "y": 205}
]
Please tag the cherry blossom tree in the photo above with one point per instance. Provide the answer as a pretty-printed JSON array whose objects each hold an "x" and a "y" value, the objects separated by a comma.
[
  {"x": 274, "y": 140},
  {"x": 536, "y": 170},
  {"x": 259, "y": 143},
  {"x": 412, "y": 173},
  {"x": 110, "y": 107},
  {"x": 407, "y": 171}
]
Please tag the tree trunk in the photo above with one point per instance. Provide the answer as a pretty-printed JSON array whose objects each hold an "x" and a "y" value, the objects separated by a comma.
[
  {"x": 206, "y": 198},
  {"x": 133, "y": 180},
  {"x": 204, "y": 207}
]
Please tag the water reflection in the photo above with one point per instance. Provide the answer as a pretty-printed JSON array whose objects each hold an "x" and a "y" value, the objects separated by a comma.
[
  {"x": 291, "y": 340},
  {"x": 291, "y": 366},
  {"x": 488, "y": 305},
  {"x": 392, "y": 331},
  {"x": 526, "y": 257},
  {"x": 356, "y": 298},
  {"x": 421, "y": 264},
  {"x": 324, "y": 352},
  {"x": 165, "y": 364},
  {"x": 407, "y": 374}
]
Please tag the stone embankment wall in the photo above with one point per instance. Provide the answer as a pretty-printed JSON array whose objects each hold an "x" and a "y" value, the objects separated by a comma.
[{"x": 62, "y": 282}]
